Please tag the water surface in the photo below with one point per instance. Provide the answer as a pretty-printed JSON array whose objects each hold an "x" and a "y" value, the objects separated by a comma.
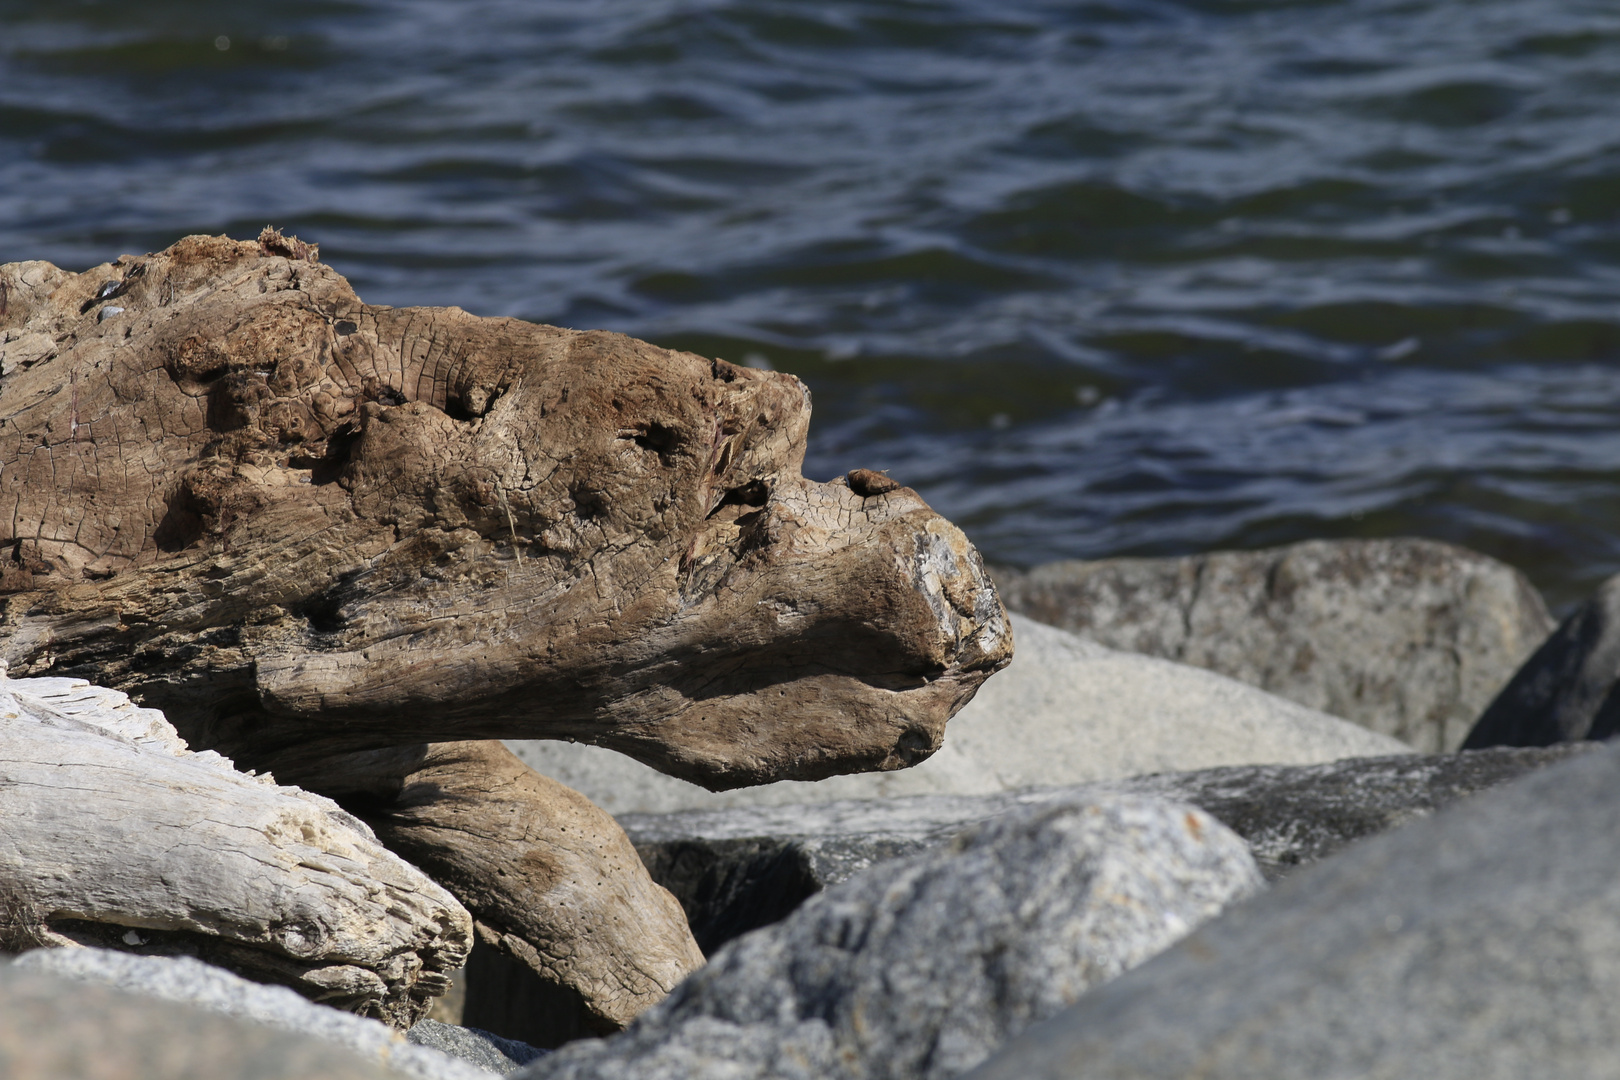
[{"x": 1108, "y": 277}]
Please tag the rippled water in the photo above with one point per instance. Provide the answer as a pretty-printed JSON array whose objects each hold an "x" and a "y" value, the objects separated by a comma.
[{"x": 1122, "y": 276}]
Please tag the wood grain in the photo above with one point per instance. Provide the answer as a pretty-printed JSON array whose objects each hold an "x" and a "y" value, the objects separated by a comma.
[
  {"x": 301, "y": 524},
  {"x": 116, "y": 835},
  {"x": 552, "y": 881}
]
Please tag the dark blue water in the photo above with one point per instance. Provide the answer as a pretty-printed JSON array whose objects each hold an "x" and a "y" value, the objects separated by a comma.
[{"x": 1124, "y": 276}]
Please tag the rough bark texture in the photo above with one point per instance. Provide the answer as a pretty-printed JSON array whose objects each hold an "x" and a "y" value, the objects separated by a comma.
[
  {"x": 301, "y": 524},
  {"x": 553, "y": 881},
  {"x": 116, "y": 835}
]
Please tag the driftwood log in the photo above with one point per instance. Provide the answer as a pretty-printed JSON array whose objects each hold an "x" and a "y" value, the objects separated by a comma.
[
  {"x": 299, "y": 524},
  {"x": 552, "y": 880},
  {"x": 115, "y": 835},
  {"x": 313, "y": 530}
]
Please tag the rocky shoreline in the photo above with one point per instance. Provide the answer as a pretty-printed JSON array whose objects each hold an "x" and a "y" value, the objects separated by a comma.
[
  {"x": 1334, "y": 809},
  {"x": 751, "y": 878}
]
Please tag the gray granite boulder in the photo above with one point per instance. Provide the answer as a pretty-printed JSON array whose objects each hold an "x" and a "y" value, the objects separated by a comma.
[
  {"x": 484, "y": 1049},
  {"x": 1065, "y": 711},
  {"x": 62, "y": 1029},
  {"x": 1567, "y": 690},
  {"x": 737, "y": 869},
  {"x": 1480, "y": 944},
  {"x": 1408, "y": 637},
  {"x": 920, "y": 967},
  {"x": 187, "y": 981}
]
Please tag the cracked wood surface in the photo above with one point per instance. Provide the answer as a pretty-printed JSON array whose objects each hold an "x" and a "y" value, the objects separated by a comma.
[
  {"x": 116, "y": 835},
  {"x": 304, "y": 525},
  {"x": 551, "y": 879}
]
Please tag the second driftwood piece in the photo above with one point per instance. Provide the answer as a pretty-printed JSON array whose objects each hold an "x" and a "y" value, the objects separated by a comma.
[
  {"x": 116, "y": 835},
  {"x": 557, "y": 889}
]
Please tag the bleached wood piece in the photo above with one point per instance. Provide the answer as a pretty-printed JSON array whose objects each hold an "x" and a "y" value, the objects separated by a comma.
[{"x": 113, "y": 833}]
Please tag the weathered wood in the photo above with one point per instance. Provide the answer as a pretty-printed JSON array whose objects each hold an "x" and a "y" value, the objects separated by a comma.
[
  {"x": 552, "y": 880},
  {"x": 301, "y": 524},
  {"x": 114, "y": 834}
]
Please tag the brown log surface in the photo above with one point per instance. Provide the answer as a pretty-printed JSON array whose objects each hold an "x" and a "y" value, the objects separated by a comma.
[
  {"x": 301, "y": 524},
  {"x": 552, "y": 880},
  {"x": 115, "y": 835}
]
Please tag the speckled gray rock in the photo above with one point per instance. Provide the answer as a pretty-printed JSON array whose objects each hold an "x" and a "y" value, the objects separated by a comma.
[
  {"x": 1065, "y": 711},
  {"x": 1567, "y": 690},
  {"x": 62, "y": 1029},
  {"x": 1408, "y": 637},
  {"x": 481, "y": 1048},
  {"x": 188, "y": 981},
  {"x": 737, "y": 869},
  {"x": 1480, "y": 944},
  {"x": 1295, "y": 816},
  {"x": 920, "y": 967}
]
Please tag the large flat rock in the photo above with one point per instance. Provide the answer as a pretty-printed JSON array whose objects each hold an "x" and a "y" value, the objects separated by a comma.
[
  {"x": 188, "y": 982},
  {"x": 744, "y": 867},
  {"x": 1065, "y": 711},
  {"x": 53, "y": 1028},
  {"x": 306, "y": 526},
  {"x": 1408, "y": 637},
  {"x": 920, "y": 967},
  {"x": 1480, "y": 944}
]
